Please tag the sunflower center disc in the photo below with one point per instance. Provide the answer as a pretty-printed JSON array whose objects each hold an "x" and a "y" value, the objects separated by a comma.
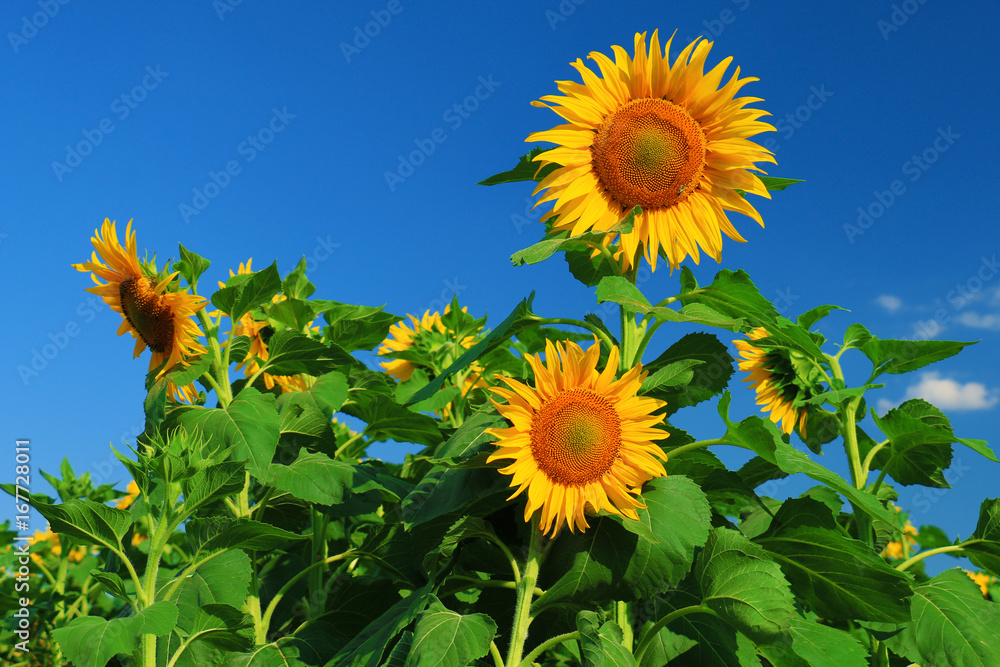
[
  {"x": 575, "y": 437},
  {"x": 649, "y": 153},
  {"x": 143, "y": 309}
]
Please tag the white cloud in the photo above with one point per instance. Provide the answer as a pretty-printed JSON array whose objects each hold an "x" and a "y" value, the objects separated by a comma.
[
  {"x": 951, "y": 395},
  {"x": 889, "y": 302},
  {"x": 977, "y": 321}
]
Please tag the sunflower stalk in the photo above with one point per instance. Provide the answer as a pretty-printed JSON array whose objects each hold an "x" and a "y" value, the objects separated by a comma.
[{"x": 526, "y": 594}]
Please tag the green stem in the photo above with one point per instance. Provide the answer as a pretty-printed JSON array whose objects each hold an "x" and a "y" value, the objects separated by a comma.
[
  {"x": 866, "y": 464},
  {"x": 951, "y": 548},
  {"x": 350, "y": 441},
  {"x": 266, "y": 621},
  {"x": 625, "y": 623},
  {"x": 546, "y": 645},
  {"x": 576, "y": 323},
  {"x": 525, "y": 594},
  {"x": 222, "y": 389},
  {"x": 701, "y": 444},
  {"x": 495, "y": 654},
  {"x": 650, "y": 634}
]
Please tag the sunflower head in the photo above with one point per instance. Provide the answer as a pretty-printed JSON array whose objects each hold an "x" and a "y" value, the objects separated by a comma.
[
  {"x": 663, "y": 136},
  {"x": 431, "y": 342},
  {"x": 580, "y": 440},
  {"x": 773, "y": 373},
  {"x": 154, "y": 309},
  {"x": 131, "y": 493}
]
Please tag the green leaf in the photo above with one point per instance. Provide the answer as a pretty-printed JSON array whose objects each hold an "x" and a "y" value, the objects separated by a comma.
[
  {"x": 814, "y": 315},
  {"x": 823, "y": 646},
  {"x": 443, "y": 637},
  {"x": 316, "y": 478},
  {"x": 601, "y": 642},
  {"x": 222, "y": 579},
  {"x": 290, "y": 353},
  {"x": 292, "y": 313},
  {"x": 526, "y": 170},
  {"x": 712, "y": 642},
  {"x": 250, "y": 425},
  {"x": 548, "y": 247},
  {"x": 983, "y": 548},
  {"x": 191, "y": 265},
  {"x": 113, "y": 584},
  {"x": 357, "y": 327},
  {"x": 621, "y": 291},
  {"x": 952, "y": 624},
  {"x": 588, "y": 270},
  {"x": 87, "y": 521},
  {"x": 839, "y": 578},
  {"x": 671, "y": 375},
  {"x": 392, "y": 421},
  {"x": 856, "y": 335},
  {"x": 920, "y": 438},
  {"x": 296, "y": 285},
  {"x": 309, "y": 412},
  {"x": 903, "y": 356},
  {"x": 213, "y": 483},
  {"x": 741, "y": 584},
  {"x": 91, "y": 641},
  {"x": 490, "y": 341},
  {"x": 466, "y": 528},
  {"x": 244, "y": 293},
  {"x": 367, "y": 648},
  {"x": 708, "y": 378},
  {"x": 251, "y": 535},
  {"x": 611, "y": 558},
  {"x": 775, "y": 184},
  {"x": 763, "y": 438}
]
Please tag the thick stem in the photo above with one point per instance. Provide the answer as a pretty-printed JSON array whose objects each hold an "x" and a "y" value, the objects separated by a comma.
[
  {"x": 525, "y": 594},
  {"x": 624, "y": 620}
]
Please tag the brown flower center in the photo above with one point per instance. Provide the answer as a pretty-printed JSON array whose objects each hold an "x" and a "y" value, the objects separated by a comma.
[
  {"x": 575, "y": 437},
  {"x": 148, "y": 315},
  {"x": 649, "y": 153}
]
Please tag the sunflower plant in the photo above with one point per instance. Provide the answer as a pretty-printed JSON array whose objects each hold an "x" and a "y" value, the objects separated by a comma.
[{"x": 550, "y": 512}]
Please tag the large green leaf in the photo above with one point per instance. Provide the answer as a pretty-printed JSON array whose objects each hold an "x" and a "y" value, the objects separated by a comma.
[
  {"x": 388, "y": 420},
  {"x": 357, "y": 327},
  {"x": 611, "y": 558},
  {"x": 316, "y": 478},
  {"x": 823, "y": 646},
  {"x": 87, "y": 521},
  {"x": 619, "y": 290},
  {"x": 952, "y": 624},
  {"x": 601, "y": 642},
  {"x": 763, "y": 438},
  {"x": 740, "y": 583},
  {"x": 708, "y": 377},
  {"x": 839, "y": 578},
  {"x": 252, "y": 535},
  {"x": 91, "y": 641},
  {"x": 920, "y": 438},
  {"x": 249, "y": 425},
  {"x": 213, "y": 483},
  {"x": 903, "y": 356},
  {"x": 309, "y": 412},
  {"x": 448, "y": 639},
  {"x": 367, "y": 648},
  {"x": 290, "y": 353},
  {"x": 245, "y": 292}
]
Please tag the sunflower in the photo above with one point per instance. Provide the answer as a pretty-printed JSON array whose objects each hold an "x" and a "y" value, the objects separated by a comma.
[
  {"x": 157, "y": 316},
  {"x": 774, "y": 378},
  {"x": 132, "y": 492},
  {"x": 402, "y": 337},
  {"x": 905, "y": 545},
  {"x": 76, "y": 554},
  {"x": 660, "y": 136},
  {"x": 982, "y": 580},
  {"x": 579, "y": 439}
]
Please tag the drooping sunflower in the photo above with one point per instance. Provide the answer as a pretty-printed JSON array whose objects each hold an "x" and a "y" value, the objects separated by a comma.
[
  {"x": 155, "y": 312},
  {"x": 775, "y": 380},
  {"x": 657, "y": 135},
  {"x": 579, "y": 439}
]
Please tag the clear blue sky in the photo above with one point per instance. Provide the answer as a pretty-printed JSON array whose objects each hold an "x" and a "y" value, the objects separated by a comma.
[{"x": 307, "y": 117}]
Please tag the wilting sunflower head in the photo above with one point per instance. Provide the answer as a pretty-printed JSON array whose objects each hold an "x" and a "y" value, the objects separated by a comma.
[
  {"x": 155, "y": 311},
  {"x": 773, "y": 376},
  {"x": 579, "y": 439},
  {"x": 657, "y": 135}
]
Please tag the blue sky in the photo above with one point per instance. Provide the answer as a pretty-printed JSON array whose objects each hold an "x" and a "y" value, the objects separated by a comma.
[{"x": 267, "y": 130}]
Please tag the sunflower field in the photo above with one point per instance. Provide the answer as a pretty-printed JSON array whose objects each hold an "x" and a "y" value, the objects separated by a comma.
[{"x": 553, "y": 513}]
